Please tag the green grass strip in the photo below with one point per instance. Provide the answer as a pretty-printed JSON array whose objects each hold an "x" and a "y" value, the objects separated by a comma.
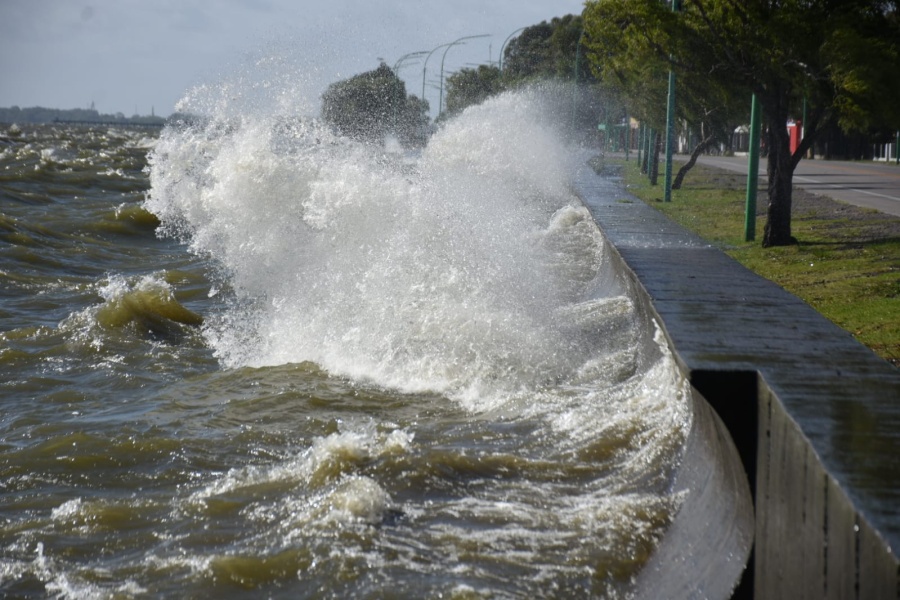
[{"x": 846, "y": 263}]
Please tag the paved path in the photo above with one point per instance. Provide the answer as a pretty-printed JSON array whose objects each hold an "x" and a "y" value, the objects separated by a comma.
[{"x": 867, "y": 184}]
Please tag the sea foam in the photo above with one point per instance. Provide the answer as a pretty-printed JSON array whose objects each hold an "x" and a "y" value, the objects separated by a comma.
[{"x": 439, "y": 276}]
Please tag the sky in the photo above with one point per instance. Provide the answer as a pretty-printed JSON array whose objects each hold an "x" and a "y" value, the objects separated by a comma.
[{"x": 143, "y": 56}]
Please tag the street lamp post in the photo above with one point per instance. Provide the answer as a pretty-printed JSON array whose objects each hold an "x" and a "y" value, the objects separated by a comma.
[
  {"x": 396, "y": 70},
  {"x": 575, "y": 86},
  {"x": 450, "y": 45},
  {"x": 509, "y": 37},
  {"x": 670, "y": 126},
  {"x": 752, "y": 171},
  {"x": 425, "y": 66},
  {"x": 407, "y": 57}
]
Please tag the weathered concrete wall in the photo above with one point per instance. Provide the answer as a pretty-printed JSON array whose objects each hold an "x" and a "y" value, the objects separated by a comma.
[
  {"x": 812, "y": 541},
  {"x": 694, "y": 560},
  {"x": 815, "y": 416}
]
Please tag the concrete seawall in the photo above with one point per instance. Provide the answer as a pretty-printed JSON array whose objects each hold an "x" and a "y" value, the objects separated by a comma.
[{"x": 815, "y": 416}]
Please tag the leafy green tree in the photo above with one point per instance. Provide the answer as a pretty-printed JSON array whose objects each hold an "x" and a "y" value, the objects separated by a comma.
[
  {"x": 528, "y": 55},
  {"x": 472, "y": 86},
  {"x": 635, "y": 65},
  {"x": 565, "y": 41},
  {"x": 369, "y": 106},
  {"x": 412, "y": 126},
  {"x": 552, "y": 53},
  {"x": 542, "y": 55},
  {"x": 834, "y": 54},
  {"x": 546, "y": 51}
]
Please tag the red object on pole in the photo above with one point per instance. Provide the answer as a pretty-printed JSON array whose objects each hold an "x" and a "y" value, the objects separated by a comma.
[{"x": 795, "y": 130}]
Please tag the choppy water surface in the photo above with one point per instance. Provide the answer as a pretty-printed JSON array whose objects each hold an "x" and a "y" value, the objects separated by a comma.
[{"x": 277, "y": 363}]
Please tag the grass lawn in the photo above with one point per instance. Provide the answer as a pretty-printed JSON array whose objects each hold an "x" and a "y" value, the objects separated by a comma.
[{"x": 846, "y": 264}]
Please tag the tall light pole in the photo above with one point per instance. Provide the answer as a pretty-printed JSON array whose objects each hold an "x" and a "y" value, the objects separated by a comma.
[
  {"x": 425, "y": 66},
  {"x": 396, "y": 70},
  {"x": 450, "y": 45},
  {"x": 670, "y": 127},
  {"x": 509, "y": 37},
  {"x": 407, "y": 57},
  {"x": 575, "y": 85},
  {"x": 752, "y": 171}
]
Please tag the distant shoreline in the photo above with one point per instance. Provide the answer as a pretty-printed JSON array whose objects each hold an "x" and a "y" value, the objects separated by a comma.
[
  {"x": 37, "y": 115},
  {"x": 122, "y": 123}
]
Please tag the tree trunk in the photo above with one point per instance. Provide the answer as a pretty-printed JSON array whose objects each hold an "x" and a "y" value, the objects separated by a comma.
[
  {"x": 654, "y": 160},
  {"x": 679, "y": 177},
  {"x": 781, "y": 174}
]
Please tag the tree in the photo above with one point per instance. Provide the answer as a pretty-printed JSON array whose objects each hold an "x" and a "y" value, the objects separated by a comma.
[
  {"x": 472, "y": 86},
  {"x": 528, "y": 55},
  {"x": 636, "y": 66},
  {"x": 554, "y": 53},
  {"x": 546, "y": 51},
  {"x": 544, "y": 55},
  {"x": 831, "y": 53},
  {"x": 412, "y": 126},
  {"x": 371, "y": 105},
  {"x": 565, "y": 42},
  {"x": 541, "y": 53}
]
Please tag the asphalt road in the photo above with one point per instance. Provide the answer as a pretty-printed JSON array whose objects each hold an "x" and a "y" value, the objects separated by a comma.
[{"x": 868, "y": 184}]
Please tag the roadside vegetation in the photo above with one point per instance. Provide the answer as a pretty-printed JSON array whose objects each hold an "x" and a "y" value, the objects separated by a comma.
[
  {"x": 845, "y": 264},
  {"x": 818, "y": 61},
  {"x": 549, "y": 55}
]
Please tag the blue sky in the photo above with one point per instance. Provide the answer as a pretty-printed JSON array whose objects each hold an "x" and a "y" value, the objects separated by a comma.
[{"x": 136, "y": 56}]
